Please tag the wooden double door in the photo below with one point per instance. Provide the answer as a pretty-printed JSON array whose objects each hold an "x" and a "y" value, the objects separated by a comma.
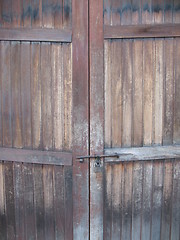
[{"x": 89, "y": 119}]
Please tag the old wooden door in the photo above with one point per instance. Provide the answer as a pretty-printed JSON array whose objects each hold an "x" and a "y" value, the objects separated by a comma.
[
  {"x": 134, "y": 111},
  {"x": 43, "y": 119}
]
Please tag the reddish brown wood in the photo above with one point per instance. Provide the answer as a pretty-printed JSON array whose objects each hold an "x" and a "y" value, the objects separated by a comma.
[
  {"x": 80, "y": 119},
  {"x": 142, "y": 31},
  {"x": 34, "y": 156},
  {"x": 35, "y": 34}
]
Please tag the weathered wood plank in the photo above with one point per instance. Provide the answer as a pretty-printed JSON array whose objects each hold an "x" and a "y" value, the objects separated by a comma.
[
  {"x": 16, "y": 13},
  {"x": 49, "y": 226},
  {"x": 127, "y": 93},
  {"x": 59, "y": 202},
  {"x": 157, "y": 190},
  {"x": 36, "y": 89},
  {"x": 67, "y": 97},
  {"x": 116, "y": 17},
  {"x": 46, "y": 81},
  {"x": 175, "y": 218},
  {"x": 136, "y": 12},
  {"x": 126, "y": 12},
  {"x": 58, "y": 14},
  {"x": 176, "y": 11},
  {"x": 58, "y": 91},
  {"x": 168, "y": 13},
  {"x": 176, "y": 133},
  {"x": 158, "y": 108},
  {"x": 6, "y": 13},
  {"x": 3, "y": 229},
  {"x": 116, "y": 84},
  {"x": 168, "y": 92},
  {"x": 142, "y": 31},
  {"x": 39, "y": 202},
  {"x": 35, "y": 34},
  {"x": 143, "y": 153},
  {"x": 167, "y": 201},
  {"x": 148, "y": 68},
  {"x": 36, "y": 19},
  {"x": 19, "y": 201},
  {"x": 107, "y": 12},
  {"x": 47, "y": 14},
  {"x": 6, "y": 89},
  {"x": 27, "y": 13},
  {"x": 35, "y": 156},
  {"x": 1, "y": 126},
  {"x": 157, "y": 11},
  {"x": 137, "y": 200},
  {"x": 26, "y": 94},
  {"x": 137, "y": 93},
  {"x": 9, "y": 196},
  {"x": 146, "y": 11},
  {"x": 67, "y": 13},
  {"x": 16, "y": 94}
]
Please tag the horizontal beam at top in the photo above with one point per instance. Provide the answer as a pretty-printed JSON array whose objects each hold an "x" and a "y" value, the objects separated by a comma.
[
  {"x": 36, "y": 156},
  {"x": 36, "y": 35},
  {"x": 142, "y": 31},
  {"x": 143, "y": 153}
]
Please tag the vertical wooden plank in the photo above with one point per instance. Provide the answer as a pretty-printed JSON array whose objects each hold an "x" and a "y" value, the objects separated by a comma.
[
  {"x": 16, "y": 94},
  {"x": 175, "y": 218},
  {"x": 157, "y": 200},
  {"x": 27, "y": 13},
  {"x": 47, "y": 14},
  {"x": 67, "y": 13},
  {"x": 9, "y": 195},
  {"x": 169, "y": 92},
  {"x": 137, "y": 200},
  {"x": 158, "y": 11},
  {"x": 146, "y": 11},
  {"x": 67, "y": 79},
  {"x": 148, "y": 90},
  {"x": 107, "y": 12},
  {"x": 26, "y": 93},
  {"x": 127, "y": 93},
  {"x": 58, "y": 14},
  {"x": 58, "y": 92},
  {"x": 29, "y": 210},
  {"x": 46, "y": 82},
  {"x": 137, "y": 93},
  {"x": 19, "y": 201},
  {"x": 176, "y": 11},
  {"x": 116, "y": 108},
  {"x": 126, "y": 17},
  {"x": 147, "y": 202},
  {"x": 127, "y": 202},
  {"x": 36, "y": 19},
  {"x": 68, "y": 203},
  {"x": 59, "y": 202},
  {"x": 107, "y": 93},
  {"x": 1, "y": 98},
  {"x": 168, "y": 11},
  {"x": 39, "y": 202},
  {"x": 48, "y": 202},
  {"x": 36, "y": 96},
  {"x": 17, "y": 13},
  {"x": 107, "y": 201},
  {"x": 176, "y": 134},
  {"x": 116, "y": 201},
  {"x": 7, "y": 13},
  {"x": 6, "y": 89},
  {"x": 158, "y": 92},
  {"x": 3, "y": 230},
  {"x": 115, "y": 12},
  {"x": 96, "y": 39},
  {"x": 167, "y": 201},
  {"x": 80, "y": 119},
  {"x": 136, "y": 12}
]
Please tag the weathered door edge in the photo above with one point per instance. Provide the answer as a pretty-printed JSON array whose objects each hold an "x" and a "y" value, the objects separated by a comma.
[
  {"x": 80, "y": 119},
  {"x": 96, "y": 39}
]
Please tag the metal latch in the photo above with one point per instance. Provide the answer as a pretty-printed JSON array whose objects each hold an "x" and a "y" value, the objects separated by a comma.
[{"x": 96, "y": 157}]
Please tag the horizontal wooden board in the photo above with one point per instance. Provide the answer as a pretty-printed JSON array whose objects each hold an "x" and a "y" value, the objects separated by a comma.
[
  {"x": 40, "y": 35},
  {"x": 142, "y": 31},
  {"x": 143, "y": 153},
  {"x": 35, "y": 156}
]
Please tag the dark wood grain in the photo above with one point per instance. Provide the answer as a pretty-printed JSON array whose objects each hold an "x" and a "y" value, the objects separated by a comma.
[
  {"x": 3, "y": 225},
  {"x": 142, "y": 31},
  {"x": 34, "y": 156},
  {"x": 35, "y": 34}
]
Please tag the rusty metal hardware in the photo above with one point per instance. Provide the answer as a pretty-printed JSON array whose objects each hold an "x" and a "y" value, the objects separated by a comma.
[{"x": 97, "y": 158}]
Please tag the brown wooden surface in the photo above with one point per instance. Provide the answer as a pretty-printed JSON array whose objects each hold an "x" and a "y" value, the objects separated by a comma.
[
  {"x": 45, "y": 35},
  {"x": 80, "y": 119}
]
